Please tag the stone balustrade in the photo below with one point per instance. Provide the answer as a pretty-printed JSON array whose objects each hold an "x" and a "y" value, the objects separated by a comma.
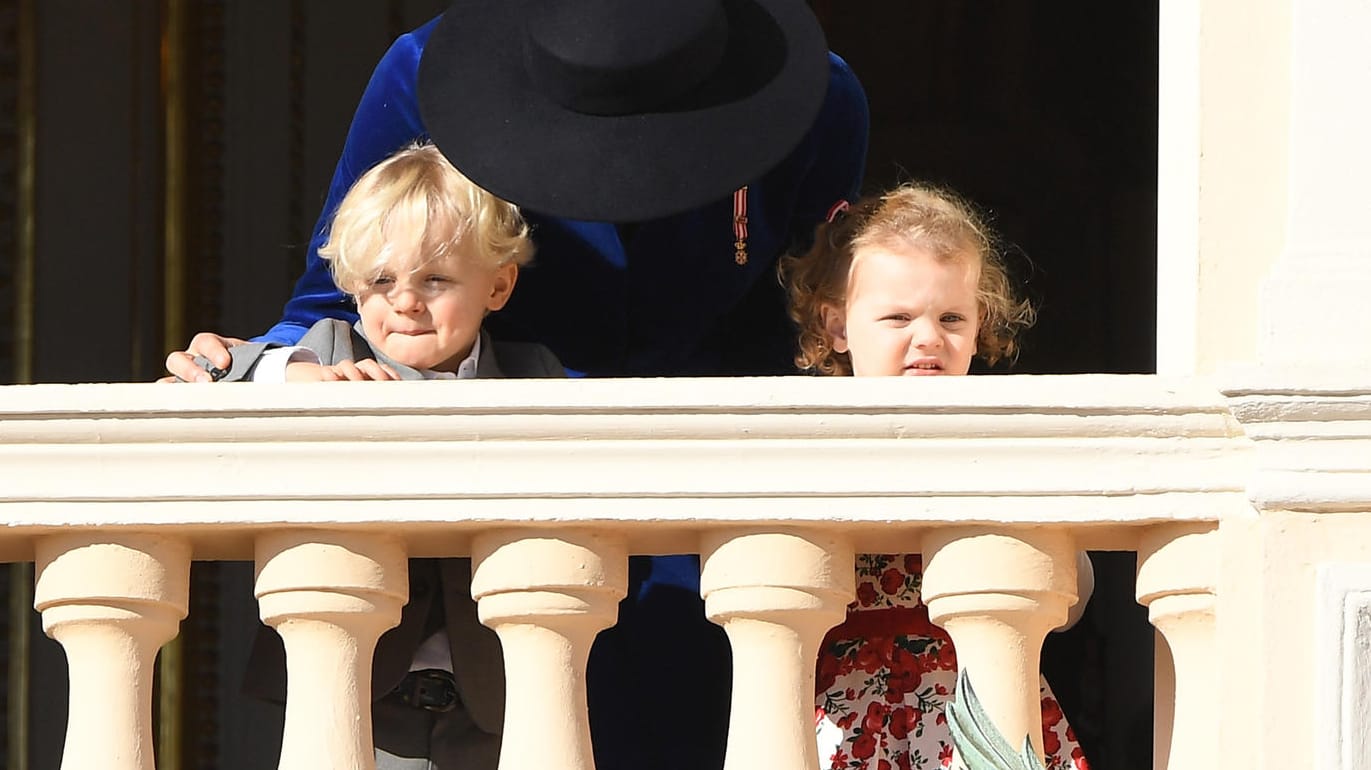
[{"x": 548, "y": 486}]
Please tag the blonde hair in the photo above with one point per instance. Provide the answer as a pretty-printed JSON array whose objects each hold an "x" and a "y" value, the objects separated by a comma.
[
  {"x": 911, "y": 215},
  {"x": 418, "y": 193}
]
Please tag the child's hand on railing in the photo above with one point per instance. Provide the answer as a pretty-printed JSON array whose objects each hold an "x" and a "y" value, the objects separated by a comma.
[{"x": 366, "y": 369}]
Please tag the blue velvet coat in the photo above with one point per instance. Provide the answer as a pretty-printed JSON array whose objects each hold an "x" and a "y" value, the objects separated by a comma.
[{"x": 671, "y": 301}]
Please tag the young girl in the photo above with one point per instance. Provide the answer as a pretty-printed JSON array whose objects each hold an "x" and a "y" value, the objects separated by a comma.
[{"x": 906, "y": 284}]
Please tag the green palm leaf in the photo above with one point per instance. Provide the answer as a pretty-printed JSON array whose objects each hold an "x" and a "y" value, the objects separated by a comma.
[{"x": 978, "y": 742}]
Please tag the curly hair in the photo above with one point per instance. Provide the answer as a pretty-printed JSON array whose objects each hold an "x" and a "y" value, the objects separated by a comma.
[
  {"x": 417, "y": 191},
  {"x": 909, "y": 216}
]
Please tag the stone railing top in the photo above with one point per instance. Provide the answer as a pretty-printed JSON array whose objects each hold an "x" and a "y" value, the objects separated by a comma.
[
  {"x": 1312, "y": 430},
  {"x": 659, "y": 458}
]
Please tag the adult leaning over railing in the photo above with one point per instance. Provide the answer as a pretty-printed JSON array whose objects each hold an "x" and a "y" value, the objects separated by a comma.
[{"x": 665, "y": 154}]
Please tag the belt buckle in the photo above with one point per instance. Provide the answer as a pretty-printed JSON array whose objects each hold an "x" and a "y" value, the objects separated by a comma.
[{"x": 431, "y": 689}]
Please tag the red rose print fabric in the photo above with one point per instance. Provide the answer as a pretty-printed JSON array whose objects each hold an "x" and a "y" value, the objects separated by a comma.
[{"x": 885, "y": 674}]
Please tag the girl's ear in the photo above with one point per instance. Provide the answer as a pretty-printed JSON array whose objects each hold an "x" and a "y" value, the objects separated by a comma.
[
  {"x": 502, "y": 286},
  {"x": 835, "y": 325}
]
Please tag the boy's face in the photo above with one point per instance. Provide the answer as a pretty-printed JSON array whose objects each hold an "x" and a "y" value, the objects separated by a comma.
[
  {"x": 907, "y": 313},
  {"x": 429, "y": 318}
]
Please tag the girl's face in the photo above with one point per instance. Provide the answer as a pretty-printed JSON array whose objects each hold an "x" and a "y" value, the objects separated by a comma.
[{"x": 907, "y": 313}]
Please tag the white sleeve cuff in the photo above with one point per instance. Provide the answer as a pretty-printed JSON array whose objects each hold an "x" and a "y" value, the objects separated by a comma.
[{"x": 271, "y": 367}]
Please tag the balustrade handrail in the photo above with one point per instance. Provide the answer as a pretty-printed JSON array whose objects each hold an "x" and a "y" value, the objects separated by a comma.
[{"x": 454, "y": 458}]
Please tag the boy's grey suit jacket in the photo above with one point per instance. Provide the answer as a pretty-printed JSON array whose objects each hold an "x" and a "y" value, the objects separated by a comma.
[{"x": 477, "y": 662}]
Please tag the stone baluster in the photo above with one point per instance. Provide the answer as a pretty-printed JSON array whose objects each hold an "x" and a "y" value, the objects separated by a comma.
[
  {"x": 112, "y": 601},
  {"x": 330, "y": 595},
  {"x": 1177, "y": 575},
  {"x": 776, "y": 594},
  {"x": 998, "y": 593},
  {"x": 547, "y": 594}
]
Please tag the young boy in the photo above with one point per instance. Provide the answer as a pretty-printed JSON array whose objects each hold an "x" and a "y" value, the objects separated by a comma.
[{"x": 426, "y": 254}]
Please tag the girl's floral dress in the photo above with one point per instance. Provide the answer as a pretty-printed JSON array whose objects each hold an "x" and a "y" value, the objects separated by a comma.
[{"x": 885, "y": 673}]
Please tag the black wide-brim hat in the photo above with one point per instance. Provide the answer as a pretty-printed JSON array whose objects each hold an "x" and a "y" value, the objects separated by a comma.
[{"x": 620, "y": 110}]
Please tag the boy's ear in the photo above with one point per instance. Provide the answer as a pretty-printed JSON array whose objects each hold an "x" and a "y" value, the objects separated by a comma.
[
  {"x": 835, "y": 324},
  {"x": 502, "y": 286}
]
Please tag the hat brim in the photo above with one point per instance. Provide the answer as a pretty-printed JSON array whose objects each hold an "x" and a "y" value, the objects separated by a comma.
[{"x": 482, "y": 112}]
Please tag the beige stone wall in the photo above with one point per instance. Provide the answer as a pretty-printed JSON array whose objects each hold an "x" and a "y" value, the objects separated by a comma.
[
  {"x": 1279, "y": 711},
  {"x": 1223, "y": 160}
]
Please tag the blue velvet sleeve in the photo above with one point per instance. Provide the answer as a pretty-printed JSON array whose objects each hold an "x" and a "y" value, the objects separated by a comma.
[
  {"x": 841, "y": 132},
  {"x": 387, "y": 118}
]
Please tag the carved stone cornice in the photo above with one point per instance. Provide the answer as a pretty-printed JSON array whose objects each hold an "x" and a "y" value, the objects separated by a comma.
[{"x": 1312, "y": 433}]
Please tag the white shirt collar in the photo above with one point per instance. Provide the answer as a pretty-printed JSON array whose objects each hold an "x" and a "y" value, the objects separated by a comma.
[{"x": 465, "y": 370}]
